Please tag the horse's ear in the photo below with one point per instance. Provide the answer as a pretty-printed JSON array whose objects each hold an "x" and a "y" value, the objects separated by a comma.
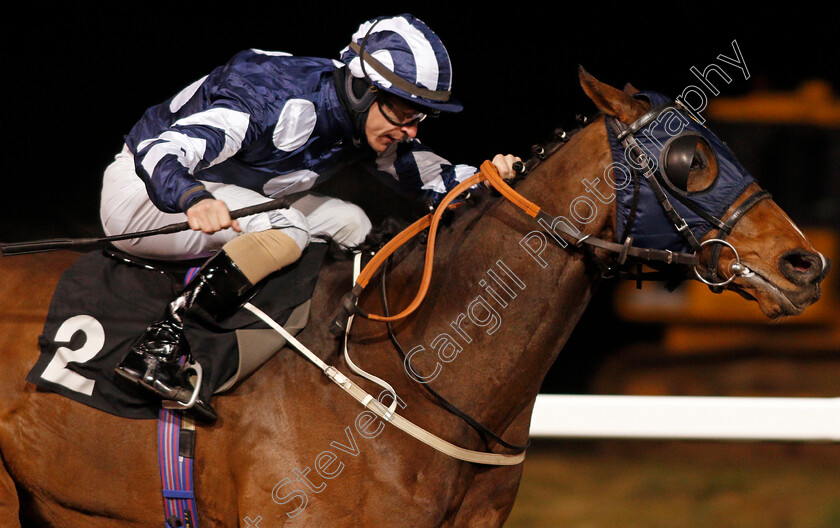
[
  {"x": 609, "y": 100},
  {"x": 629, "y": 89}
]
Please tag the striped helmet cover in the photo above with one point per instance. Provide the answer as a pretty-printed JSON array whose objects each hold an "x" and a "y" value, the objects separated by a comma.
[{"x": 407, "y": 47}]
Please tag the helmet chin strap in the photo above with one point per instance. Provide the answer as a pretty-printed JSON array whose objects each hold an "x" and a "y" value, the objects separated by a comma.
[
  {"x": 360, "y": 94},
  {"x": 357, "y": 96}
]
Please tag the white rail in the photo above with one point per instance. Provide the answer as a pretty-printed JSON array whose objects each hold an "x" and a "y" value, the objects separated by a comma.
[{"x": 687, "y": 417}]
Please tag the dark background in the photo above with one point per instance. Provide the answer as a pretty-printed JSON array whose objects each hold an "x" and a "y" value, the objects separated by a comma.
[{"x": 76, "y": 79}]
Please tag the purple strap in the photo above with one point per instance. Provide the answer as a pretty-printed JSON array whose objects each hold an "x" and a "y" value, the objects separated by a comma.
[
  {"x": 176, "y": 474},
  {"x": 176, "y": 471}
]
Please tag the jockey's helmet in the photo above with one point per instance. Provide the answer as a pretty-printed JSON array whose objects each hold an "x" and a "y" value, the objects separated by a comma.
[{"x": 401, "y": 56}]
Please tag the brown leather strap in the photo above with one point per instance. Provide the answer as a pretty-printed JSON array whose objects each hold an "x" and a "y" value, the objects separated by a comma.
[
  {"x": 492, "y": 175},
  {"x": 388, "y": 249},
  {"x": 489, "y": 173},
  {"x": 726, "y": 229},
  {"x": 396, "y": 80},
  {"x": 430, "y": 250}
]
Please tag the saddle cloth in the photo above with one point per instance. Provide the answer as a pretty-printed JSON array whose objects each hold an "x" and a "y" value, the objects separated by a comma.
[{"x": 102, "y": 304}]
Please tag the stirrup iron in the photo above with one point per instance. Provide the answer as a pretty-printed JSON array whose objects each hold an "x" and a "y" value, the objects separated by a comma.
[{"x": 175, "y": 405}]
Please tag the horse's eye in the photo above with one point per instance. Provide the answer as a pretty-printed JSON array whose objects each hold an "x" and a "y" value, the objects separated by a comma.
[{"x": 683, "y": 160}]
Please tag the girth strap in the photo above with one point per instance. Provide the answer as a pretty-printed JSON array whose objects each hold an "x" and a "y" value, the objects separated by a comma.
[{"x": 176, "y": 453}]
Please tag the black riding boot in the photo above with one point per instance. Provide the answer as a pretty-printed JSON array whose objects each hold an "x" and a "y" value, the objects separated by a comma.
[{"x": 153, "y": 362}]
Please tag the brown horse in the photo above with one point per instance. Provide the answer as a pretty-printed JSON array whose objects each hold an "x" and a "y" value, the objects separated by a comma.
[{"x": 291, "y": 449}]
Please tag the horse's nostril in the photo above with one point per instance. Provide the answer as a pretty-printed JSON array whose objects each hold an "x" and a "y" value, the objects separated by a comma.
[
  {"x": 799, "y": 263},
  {"x": 801, "y": 267}
]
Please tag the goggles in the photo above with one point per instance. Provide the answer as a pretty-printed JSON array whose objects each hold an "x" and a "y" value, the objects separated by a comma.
[{"x": 398, "y": 113}]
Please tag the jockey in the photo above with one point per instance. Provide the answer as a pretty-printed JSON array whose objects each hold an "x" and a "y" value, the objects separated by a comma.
[{"x": 265, "y": 125}]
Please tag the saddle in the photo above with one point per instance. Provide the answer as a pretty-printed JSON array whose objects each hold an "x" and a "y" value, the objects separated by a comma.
[{"x": 107, "y": 298}]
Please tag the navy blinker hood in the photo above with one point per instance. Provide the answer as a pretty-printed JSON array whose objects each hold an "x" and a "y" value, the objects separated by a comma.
[{"x": 651, "y": 227}]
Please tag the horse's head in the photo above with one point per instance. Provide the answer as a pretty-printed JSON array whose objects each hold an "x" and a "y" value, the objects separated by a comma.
[{"x": 679, "y": 188}]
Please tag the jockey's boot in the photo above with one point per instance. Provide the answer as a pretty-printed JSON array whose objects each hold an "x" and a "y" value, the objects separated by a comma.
[{"x": 154, "y": 360}]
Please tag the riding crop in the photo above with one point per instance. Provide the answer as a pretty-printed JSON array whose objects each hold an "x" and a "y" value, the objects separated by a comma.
[{"x": 86, "y": 244}]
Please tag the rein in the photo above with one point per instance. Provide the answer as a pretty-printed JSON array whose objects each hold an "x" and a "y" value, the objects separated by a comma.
[
  {"x": 446, "y": 404},
  {"x": 380, "y": 259},
  {"x": 388, "y": 413},
  {"x": 489, "y": 173},
  {"x": 625, "y": 250},
  {"x": 564, "y": 233}
]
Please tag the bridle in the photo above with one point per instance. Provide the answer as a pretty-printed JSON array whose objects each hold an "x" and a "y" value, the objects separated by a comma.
[
  {"x": 624, "y": 250},
  {"x": 626, "y": 135}
]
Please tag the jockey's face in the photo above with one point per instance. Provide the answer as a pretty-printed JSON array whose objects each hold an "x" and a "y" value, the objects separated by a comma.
[{"x": 381, "y": 132}]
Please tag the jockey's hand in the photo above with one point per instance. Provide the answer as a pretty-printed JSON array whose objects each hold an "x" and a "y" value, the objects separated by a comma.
[
  {"x": 504, "y": 164},
  {"x": 211, "y": 215}
]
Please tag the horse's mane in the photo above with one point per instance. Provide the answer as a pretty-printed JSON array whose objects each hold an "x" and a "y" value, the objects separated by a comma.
[{"x": 542, "y": 151}]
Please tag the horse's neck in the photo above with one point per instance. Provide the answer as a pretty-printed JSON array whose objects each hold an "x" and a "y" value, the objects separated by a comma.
[{"x": 498, "y": 313}]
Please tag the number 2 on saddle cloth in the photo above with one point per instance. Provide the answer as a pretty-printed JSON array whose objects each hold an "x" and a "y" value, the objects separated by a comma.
[{"x": 105, "y": 299}]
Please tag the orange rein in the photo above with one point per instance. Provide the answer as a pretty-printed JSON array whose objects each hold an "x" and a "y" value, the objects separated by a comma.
[{"x": 489, "y": 173}]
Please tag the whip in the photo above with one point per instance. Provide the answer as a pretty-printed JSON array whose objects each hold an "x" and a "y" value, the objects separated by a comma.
[{"x": 87, "y": 244}]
